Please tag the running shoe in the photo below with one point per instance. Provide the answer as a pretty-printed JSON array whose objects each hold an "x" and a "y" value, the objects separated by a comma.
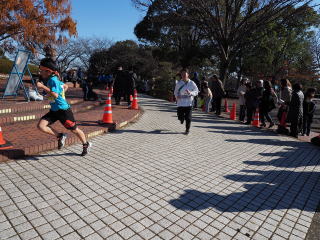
[
  {"x": 62, "y": 141},
  {"x": 86, "y": 149}
]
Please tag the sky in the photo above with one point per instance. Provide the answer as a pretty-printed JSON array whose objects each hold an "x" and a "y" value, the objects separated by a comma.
[{"x": 112, "y": 19}]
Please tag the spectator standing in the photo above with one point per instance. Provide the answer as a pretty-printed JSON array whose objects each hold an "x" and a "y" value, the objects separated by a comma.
[
  {"x": 242, "y": 102},
  {"x": 130, "y": 86},
  {"x": 218, "y": 93},
  {"x": 207, "y": 94},
  {"x": 253, "y": 97},
  {"x": 285, "y": 97},
  {"x": 295, "y": 114},
  {"x": 196, "y": 80},
  {"x": 267, "y": 104},
  {"x": 119, "y": 84},
  {"x": 309, "y": 107}
]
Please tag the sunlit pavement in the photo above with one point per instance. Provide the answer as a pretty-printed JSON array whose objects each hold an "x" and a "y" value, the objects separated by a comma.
[{"x": 149, "y": 181}]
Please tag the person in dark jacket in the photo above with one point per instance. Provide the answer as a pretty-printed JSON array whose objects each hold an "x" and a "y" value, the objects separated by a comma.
[
  {"x": 130, "y": 86},
  {"x": 295, "y": 114},
  {"x": 118, "y": 85},
  {"x": 267, "y": 104},
  {"x": 218, "y": 93},
  {"x": 309, "y": 107},
  {"x": 249, "y": 100},
  {"x": 253, "y": 97}
]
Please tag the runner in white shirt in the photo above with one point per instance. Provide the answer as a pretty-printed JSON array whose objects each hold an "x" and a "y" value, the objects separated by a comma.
[{"x": 185, "y": 91}]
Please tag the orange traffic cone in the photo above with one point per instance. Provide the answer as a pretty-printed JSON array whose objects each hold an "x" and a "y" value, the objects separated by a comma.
[
  {"x": 226, "y": 107},
  {"x": 107, "y": 115},
  {"x": 135, "y": 105},
  {"x": 256, "y": 120},
  {"x": 233, "y": 114},
  {"x": 3, "y": 143},
  {"x": 131, "y": 98}
]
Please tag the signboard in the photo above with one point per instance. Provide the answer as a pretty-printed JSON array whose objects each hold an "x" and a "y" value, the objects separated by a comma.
[{"x": 15, "y": 81}]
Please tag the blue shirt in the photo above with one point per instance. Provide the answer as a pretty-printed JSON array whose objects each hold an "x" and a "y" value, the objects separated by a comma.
[{"x": 59, "y": 103}]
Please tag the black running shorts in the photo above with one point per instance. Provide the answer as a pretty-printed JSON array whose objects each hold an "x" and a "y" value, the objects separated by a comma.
[{"x": 64, "y": 116}]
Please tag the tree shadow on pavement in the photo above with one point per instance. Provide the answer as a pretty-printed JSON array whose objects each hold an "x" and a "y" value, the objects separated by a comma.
[
  {"x": 265, "y": 189},
  {"x": 275, "y": 190}
]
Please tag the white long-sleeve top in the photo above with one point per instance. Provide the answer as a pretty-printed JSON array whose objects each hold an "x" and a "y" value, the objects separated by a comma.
[{"x": 185, "y": 93}]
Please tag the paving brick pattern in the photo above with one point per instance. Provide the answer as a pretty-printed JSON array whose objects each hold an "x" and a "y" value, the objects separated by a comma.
[{"x": 148, "y": 181}]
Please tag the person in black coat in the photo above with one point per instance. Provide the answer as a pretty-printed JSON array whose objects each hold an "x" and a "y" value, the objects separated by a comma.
[
  {"x": 253, "y": 97},
  {"x": 309, "y": 108},
  {"x": 218, "y": 93},
  {"x": 130, "y": 86},
  {"x": 267, "y": 104},
  {"x": 295, "y": 114},
  {"x": 119, "y": 84}
]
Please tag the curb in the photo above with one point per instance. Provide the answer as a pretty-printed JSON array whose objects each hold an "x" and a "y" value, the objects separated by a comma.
[{"x": 20, "y": 154}]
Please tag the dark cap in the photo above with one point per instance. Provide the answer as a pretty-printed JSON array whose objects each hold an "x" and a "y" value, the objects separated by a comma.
[{"x": 49, "y": 63}]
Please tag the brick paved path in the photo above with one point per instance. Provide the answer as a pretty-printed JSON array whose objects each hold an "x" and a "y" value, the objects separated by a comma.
[{"x": 148, "y": 181}]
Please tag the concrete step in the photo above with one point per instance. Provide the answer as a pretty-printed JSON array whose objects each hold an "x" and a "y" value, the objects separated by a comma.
[{"x": 36, "y": 114}]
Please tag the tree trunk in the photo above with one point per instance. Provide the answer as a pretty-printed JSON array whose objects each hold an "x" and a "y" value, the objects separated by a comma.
[{"x": 223, "y": 70}]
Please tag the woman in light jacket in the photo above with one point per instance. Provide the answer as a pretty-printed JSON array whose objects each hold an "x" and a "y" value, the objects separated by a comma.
[
  {"x": 285, "y": 97},
  {"x": 207, "y": 94}
]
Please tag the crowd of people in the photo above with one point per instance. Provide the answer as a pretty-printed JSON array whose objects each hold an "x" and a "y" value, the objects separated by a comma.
[{"x": 293, "y": 105}]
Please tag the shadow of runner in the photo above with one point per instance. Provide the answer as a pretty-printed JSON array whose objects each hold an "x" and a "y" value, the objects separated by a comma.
[{"x": 155, "y": 132}]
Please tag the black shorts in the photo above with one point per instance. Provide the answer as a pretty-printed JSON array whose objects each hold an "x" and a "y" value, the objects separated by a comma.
[{"x": 64, "y": 116}]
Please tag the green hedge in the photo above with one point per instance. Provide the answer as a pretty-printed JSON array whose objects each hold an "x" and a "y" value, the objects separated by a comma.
[{"x": 6, "y": 66}]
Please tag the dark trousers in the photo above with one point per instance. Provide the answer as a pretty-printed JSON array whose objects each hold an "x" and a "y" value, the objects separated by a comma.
[
  {"x": 307, "y": 121},
  {"x": 185, "y": 114},
  {"x": 85, "y": 90},
  {"x": 213, "y": 108},
  {"x": 242, "y": 113},
  {"x": 250, "y": 112},
  {"x": 295, "y": 127},
  {"x": 195, "y": 102},
  {"x": 264, "y": 114},
  {"x": 119, "y": 95},
  {"x": 218, "y": 101}
]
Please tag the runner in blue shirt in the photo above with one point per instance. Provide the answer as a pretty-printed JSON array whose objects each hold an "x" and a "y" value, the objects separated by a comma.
[{"x": 60, "y": 108}]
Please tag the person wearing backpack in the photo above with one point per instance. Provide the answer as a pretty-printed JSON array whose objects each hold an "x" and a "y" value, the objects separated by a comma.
[
  {"x": 267, "y": 104},
  {"x": 185, "y": 91}
]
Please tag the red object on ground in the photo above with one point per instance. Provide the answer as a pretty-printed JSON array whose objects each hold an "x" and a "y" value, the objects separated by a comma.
[
  {"x": 3, "y": 143},
  {"x": 256, "y": 120},
  {"x": 107, "y": 115},
  {"x": 283, "y": 122},
  {"x": 131, "y": 98},
  {"x": 233, "y": 114},
  {"x": 226, "y": 107},
  {"x": 135, "y": 105}
]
